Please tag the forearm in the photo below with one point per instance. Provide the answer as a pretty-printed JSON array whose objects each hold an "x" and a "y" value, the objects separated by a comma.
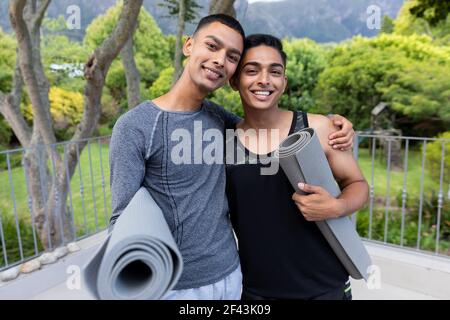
[
  {"x": 353, "y": 197},
  {"x": 127, "y": 167}
]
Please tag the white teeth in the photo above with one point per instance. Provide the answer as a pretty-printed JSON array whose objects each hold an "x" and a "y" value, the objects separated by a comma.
[
  {"x": 213, "y": 72},
  {"x": 262, "y": 93}
]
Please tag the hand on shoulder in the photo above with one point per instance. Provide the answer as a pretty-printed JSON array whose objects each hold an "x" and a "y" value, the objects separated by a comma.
[{"x": 323, "y": 127}]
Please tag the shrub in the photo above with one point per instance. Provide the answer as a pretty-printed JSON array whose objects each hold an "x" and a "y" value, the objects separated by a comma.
[
  {"x": 434, "y": 152},
  {"x": 66, "y": 108},
  {"x": 12, "y": 240}
]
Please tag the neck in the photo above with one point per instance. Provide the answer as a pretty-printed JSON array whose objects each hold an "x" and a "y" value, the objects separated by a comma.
[
  {"x": 262, "y": 119},
  {"x": 183, "y": 96}
]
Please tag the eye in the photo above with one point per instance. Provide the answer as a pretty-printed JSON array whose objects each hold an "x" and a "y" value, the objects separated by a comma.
[
  {"x": 250, "y": 71},
  {"x": 211, "y": 46},
  {"x": 234, "y": 58},
  {"x": 277, "y": 72}
]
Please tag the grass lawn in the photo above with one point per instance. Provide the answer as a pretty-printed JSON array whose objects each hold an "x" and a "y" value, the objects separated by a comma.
[{"x": 397, "y": 175}]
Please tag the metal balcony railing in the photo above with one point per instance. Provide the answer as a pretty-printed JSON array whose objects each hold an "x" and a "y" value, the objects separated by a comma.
[
  {"x": 85, "y": 207},
  {"x": 409, "y": 204}
]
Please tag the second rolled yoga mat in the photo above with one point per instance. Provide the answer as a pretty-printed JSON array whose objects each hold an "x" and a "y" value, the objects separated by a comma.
[
  {"x": 139, "y": 259},
  {"x": 303, "y": 160}
]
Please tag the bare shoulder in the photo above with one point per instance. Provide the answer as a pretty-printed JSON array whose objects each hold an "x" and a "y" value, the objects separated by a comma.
[{"x": 322, "y": 125}]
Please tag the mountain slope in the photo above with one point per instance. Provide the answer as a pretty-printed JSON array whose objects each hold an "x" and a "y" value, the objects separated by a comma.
[{"x": 320, "y": 20}]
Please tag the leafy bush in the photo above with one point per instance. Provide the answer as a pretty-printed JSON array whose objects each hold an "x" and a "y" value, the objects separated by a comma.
[
  {"x": 305, "y": 61},
  {"x": 407, "y": 72},
  {"x": 151, "y": 50},
  {"x": 410, "y": 235},
  {"x": 407, "y": 24},
  {"x": 162, "y": 84},
  {"x": 111, "y": 110},
  {"x": 103, "y": 130},
  {"x": 12, "y": 240},
  {"x": 434, "y": 152},
  {"x": 15, "y": 159},
  {"x": 229, "y": 99},
  {"x": 69, "y": 56},
  {"x": 5, "y": 132},
  {"x": 66, "y": 108},
  {"x": 7, "y": 61}
]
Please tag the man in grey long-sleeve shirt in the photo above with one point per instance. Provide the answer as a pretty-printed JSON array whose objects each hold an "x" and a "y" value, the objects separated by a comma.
[{"x": 191, "y": 195}]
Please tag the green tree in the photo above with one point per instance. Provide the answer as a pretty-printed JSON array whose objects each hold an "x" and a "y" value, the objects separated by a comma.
[
  {"x": 54, "y": 26},
  {"x": 387, "y": 25},
  {"x": 409, "y": 73},
  {"x": 305, "y": 61},
  {"x": 63, "y": 61},
  {"x": 408, "y": 23},
  {"x": 421, "y": 94},
  {"x": 185, "y": 11},
  {"x": 173, "y": 7},
  {"x": 433, "y": 11},
  {"x": 66, "y": 109},
  {"x": 7, "y": 60},
  {"x": 162, "y": 84},
  {"x": 5, "y": 133},
  {"x": 434, "y": 152},
  {"x": 29, "y": 73},
  {"x": 151, "y": 50},
  {"x": 229, "y": 99}
]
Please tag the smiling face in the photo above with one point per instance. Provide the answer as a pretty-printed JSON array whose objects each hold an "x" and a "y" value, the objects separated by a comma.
[
  {"x": 214, "y": 53},
  {"x": 261, "y": 80}
]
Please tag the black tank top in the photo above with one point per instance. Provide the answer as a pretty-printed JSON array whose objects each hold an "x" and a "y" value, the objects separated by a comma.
[{"x": 282, "y": 255}]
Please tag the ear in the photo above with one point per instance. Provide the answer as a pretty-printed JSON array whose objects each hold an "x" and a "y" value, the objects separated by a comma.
[
  {"x": 285, "y": 84},
  {"x": 187, "y": 46}
]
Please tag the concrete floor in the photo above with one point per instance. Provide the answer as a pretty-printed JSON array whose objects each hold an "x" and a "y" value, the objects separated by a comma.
[{"x": 359, "y": 292}]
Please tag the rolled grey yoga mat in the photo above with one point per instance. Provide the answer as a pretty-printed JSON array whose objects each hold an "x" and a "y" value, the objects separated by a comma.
[
  {"x": 302, "y": 159},
  {"x": 139, "y": 259}
]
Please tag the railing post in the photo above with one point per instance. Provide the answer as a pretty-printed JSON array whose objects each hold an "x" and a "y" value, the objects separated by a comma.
[
  {"x": 93, "y": 186},
  {"x": 419, "y": 229},
  {"x": 372, "y": 186},
  {"x": 440, "y": 199},
  {"x": 13, "y": 197},
  {"x": 29, "y": 202},
  {"x": 105, "y": 207},
  {"x": 355, "y": 155},
  {"x": 86, "y": 229},
  {"x": 388, "y": 191},
  {"x": 404, "y": 192},
  {"x": 42, "y": 167},
  {"x": 69, "y": 191},
  {"x": 2, "y": 236}
]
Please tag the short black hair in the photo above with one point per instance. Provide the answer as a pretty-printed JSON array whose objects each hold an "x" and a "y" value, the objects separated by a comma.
[
  {"x": 256, "y": 40},
  {"x": 225, "y": 19}
]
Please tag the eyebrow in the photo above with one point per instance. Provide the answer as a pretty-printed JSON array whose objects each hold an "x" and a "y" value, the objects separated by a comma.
[
  {"x": 219, "y": 42},
  {"x": 257, "y": 64}
]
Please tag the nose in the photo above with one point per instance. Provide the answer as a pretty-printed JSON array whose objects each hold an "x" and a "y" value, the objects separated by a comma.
[
  {"x": 219, "y": 58},
  {"x": 264, "y": 79}
]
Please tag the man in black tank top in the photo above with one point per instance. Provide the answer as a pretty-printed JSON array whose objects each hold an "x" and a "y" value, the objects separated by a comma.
[{"x": 283, "y": 254}]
